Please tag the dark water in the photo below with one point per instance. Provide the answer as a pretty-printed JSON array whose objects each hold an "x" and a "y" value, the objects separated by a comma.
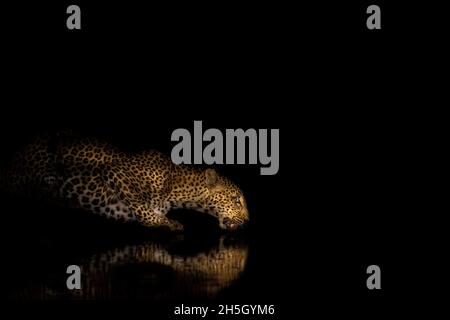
[
  {"x": 118, "y": 261},
  {"x": 148, "y": 269}
]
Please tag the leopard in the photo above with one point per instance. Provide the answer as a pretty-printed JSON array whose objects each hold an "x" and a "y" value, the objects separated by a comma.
[{"x": 94, "y": 175}]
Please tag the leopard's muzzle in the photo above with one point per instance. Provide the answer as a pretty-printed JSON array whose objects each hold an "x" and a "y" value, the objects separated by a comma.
[{"x": 234, "y": 224}]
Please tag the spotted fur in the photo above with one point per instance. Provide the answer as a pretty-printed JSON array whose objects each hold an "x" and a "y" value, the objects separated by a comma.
[{"x": 141, "y": 187}]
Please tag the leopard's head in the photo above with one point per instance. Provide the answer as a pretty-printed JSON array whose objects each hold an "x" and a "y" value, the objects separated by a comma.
[{"x": 225, "y": 201}]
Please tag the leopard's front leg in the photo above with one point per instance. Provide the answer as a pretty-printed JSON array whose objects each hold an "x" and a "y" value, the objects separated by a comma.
[
  {"x": 124, "y": 185},
  {"x": 149, "y": 218}
]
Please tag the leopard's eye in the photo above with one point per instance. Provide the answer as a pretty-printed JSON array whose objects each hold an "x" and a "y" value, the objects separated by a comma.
[{"x": 237, "y": 200}]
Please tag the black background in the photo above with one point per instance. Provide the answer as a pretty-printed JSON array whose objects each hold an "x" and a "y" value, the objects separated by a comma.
[{"x": 345, "y": 196}]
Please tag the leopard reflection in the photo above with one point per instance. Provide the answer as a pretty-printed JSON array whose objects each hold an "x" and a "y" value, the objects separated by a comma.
[{"x": 151, "y": 271}]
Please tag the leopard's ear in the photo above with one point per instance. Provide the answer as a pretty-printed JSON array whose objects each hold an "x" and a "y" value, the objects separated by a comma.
[{"x": 211, "y": 178}]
